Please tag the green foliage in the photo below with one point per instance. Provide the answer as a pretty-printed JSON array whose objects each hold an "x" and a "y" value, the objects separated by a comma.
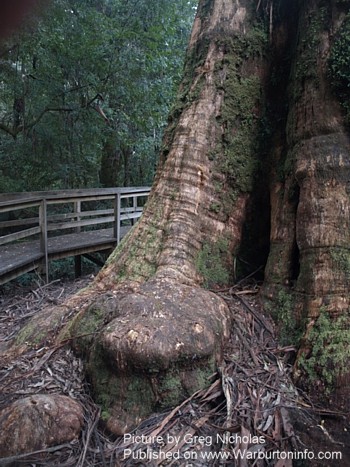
[
  {"x": 211, "y": 263},
  {"x": 330, "y": 355},
  {"x": 339, "y": 65},
  {"x": 62, "y": 269},
  {"x": 90, "y": 84}
]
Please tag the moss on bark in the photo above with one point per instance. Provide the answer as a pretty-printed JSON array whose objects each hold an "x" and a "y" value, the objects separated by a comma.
[{"x": 212, "y": 264}]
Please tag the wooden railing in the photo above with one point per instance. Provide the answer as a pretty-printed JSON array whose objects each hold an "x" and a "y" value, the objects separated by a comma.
[{"x": 40, "y": 216}]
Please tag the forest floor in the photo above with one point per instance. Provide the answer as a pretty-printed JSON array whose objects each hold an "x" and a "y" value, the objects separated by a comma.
[{"x": 250, "y": 407}]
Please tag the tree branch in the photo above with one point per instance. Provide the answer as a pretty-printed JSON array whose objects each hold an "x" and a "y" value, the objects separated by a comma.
[
  {"x": 15, "y": 131},
  {"x": 8, "y": 130}
]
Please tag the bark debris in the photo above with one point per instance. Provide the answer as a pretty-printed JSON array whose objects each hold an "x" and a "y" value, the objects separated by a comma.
[{"x": 251, "y": 396}]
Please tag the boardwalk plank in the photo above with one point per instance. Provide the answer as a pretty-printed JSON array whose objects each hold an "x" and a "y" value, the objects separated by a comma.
[{"x": 26, "y": 256}]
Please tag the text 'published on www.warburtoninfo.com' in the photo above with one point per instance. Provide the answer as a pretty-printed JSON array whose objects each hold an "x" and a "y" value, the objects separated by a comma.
[{"x": 191, "y": 448}]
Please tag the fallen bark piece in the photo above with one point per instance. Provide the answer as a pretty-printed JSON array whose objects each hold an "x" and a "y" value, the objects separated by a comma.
[{"x": 37, "y": 422}]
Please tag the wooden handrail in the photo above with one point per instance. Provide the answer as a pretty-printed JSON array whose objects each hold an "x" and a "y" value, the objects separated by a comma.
[
  {"x": 12, "y": 205},
  {"x": 75, "y": 220},
  {"x": 64, "y": 194},
  {"x": 19, "y": 235}
]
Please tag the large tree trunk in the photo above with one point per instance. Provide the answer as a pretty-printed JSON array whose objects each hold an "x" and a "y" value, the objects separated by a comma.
[
  {"x": 149, "y": 332},
  {"x": 159, "y": 334},
  {"x": 208, "y": 157},
  {"x": 307, "y": 274}
]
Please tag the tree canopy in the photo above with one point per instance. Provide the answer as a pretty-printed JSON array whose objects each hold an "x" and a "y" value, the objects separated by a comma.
[{"x": 85, "y": 91}]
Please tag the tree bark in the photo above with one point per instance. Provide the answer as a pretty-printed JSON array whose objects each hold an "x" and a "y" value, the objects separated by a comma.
[
  {"x": 149, "y": 331},
  {"x": 157, "y": 333},
  {"x": 307, "y": 273}
]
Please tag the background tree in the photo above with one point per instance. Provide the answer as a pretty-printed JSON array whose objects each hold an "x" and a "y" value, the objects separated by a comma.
[{"x": 86, "y": 92}]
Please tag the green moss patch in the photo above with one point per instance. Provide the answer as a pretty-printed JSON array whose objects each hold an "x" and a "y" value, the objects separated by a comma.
[
  {"x": 212, "y": 264},
  {"x": 41, "y": 327},
  {"x": 238, "y": 79},
  {"x": 126, "y": 398},
  {"x": 339, "y": 65},
  {"x": 330, "y": 355}
]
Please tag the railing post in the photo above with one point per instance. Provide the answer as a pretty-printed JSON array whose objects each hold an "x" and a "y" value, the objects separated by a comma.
[
  {"x": 77, "y": 211},
  {"x": 117, "y": 208},
  {"x": 134, "y": 206},
  {"x": 43, "y": 237},
  {"x": 77, "y": 258}
]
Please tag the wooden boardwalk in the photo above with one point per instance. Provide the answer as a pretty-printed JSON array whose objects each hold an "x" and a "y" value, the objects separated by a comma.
[{"x": 20, "y": 254}]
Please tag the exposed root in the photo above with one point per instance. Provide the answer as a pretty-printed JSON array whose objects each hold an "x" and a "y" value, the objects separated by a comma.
[{"x": 249, "y": 405}]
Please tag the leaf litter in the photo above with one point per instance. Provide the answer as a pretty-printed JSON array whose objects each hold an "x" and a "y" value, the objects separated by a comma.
[{"x": 243, "y": 418}]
